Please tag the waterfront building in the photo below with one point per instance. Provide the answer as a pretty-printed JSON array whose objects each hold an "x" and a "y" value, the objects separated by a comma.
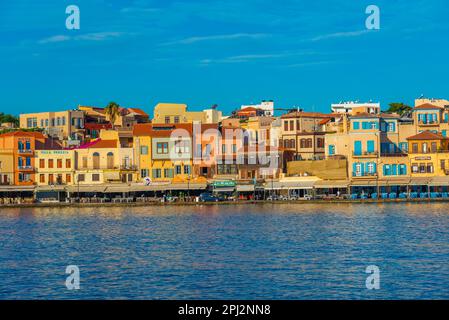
[
  {"x": 430, "y": 117},
  {"x": 302, "y": 134},
  {"x": 164, "y": 151},
  {"x": 173, "y": 113},
  {"x": 55, "y": 167},
  {"x": 436, "y": 102},
  {"x": 20, "y": 147},
  {"x": 104, "y": 161},
  {"x": 206, "y": 142},
  {"x": 354, "y": 107},
  {"x": 267, "y": 107},
  {"x": 63, "y": 125}
]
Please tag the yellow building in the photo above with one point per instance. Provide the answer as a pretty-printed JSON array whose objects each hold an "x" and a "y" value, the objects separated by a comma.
[
  {"x": 104, "y": 161},
  {"x": 164, "y": 152},
  {"x": 6, "y": 166},
  {"x": 55, "y": 167},
  {"x": 165, "y": 113},
  {"x": 62, "y": 125}
]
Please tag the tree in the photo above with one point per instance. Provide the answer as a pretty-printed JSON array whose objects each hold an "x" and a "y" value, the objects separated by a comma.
[
  {"x": 112, "y": 111},
  {"x": 399, "y": 108},
  {"x": 5, "y": 118}
]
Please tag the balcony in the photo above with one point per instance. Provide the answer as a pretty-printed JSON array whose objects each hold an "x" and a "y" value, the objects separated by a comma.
[
  {"x": 26, "y": 168},
  {"x": 25, "y": 151},
  {"x": 428, "y": 123},
  {"x": 128, "y": 167},
  {"x": 364, "y": 175},
  {"x": 365, "y": 154},
  {"x": 394, "y": 154}
]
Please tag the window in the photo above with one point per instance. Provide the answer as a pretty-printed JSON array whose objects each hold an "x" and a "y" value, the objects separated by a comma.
[
  {"x": 63, "y": 121},
  {"x": 285, "y": 125},
  {"x": 68, "y": 178},
  {"x": 96, "y": 160},
  {"x": 50, "y": 163},
  {"x": 292, "y": 125},
  {"x": 46, "y": 122},
  {"x": 42, "y": 178},
  {"x": 187, "y": 169},
  {"x": 162, "y": 147},
  {"x": 297, "y": 125},
  {"x": 223, "y": 149},
  {"x": 59, "y": 163},
  {"x": 81, "y": 178},
  {"x": 403, "y": 146},
  {"x": 425, "y": 148},
  {"x": 68, "y": 163},
  {"x": 144, "y": 150},
  {"x": 320, "y": 143},
  {"x": 356, "y": 125},
  {"x": 422, "y": 168},
  {"x": 168, "y": 173},
  {"x": 443, "y": 164},
  {"x": 176, "y": 119},
  {"x": 41, "y": 163},
  {"x": 234, "y": 148},
  {"x": 429, "y": 168},
  {"x": 433, "y": 147},
  {"x": 387, "y": 170},
  {"x": 177, "y": 170},
  {"x": 371, "y": 167},
  {"x": 415, "y": 168},
  {"x": 358, "y": 169},
  {"x": 292, "y": 143},
  {"x": 95, "y": 177},
  {"x": 391, "y": 127},
  {"x": 84, "y": 162},
  {"x": 167, "y": 119},
  {"x": 357, "y": 148},
  {"x": 370, "y": 146},
  {"x": 402, "y": 169},
  {"x": 157, "y": 173},
  {"x": 110, "y": 160},
  {"x": 144, "y": 173},
  {"x": 51, "y": 179}
]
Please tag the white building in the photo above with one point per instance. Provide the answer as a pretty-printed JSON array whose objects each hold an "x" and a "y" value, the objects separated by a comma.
[
  {"x": 353, "y": 107},
  {"x": 266, "y": 105}
]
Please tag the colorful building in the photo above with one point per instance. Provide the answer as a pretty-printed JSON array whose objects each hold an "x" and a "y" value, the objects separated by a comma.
[{"x": 173, "y": 113}]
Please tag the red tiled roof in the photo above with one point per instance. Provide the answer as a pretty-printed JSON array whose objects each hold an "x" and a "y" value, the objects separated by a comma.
[
  {"x": 427, "y": 135},
  {"x": 159, "y": 130},
  {"x": 248, "y": 109},
  {"x": 138, "y": 111},
  {"x": 97, "y": 144},
  {"x": 36, "y": 135},
  {"x": 427, "y": 106},
  {"x": 324, "y": 121}
]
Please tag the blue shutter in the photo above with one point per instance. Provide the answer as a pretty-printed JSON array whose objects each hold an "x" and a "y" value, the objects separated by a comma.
[
  {"x": 370, "y": 146},
  {"x": 354, "y": 169},
  {"x": 356, "y": 125},
  {"x": 374, "y": 167},
  {"x": 394, "y": 170},
  {"x": 357, "y": 148}
]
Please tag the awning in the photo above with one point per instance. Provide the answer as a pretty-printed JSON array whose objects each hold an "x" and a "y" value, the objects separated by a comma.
[
  {"x": 86, "y": 188},
  {"x": 290, "y": 185},
  {"x": 394, "y": 182},
  {"x": 363, "y": 183},
  {"x": 16, "y": 188},
  {"x": 173, "y": 186},
  {"x": 420, "y": 181},
  {"x": 224, "y": 189},
  {"x": 245, "y": 188},
  {"x": 439, "y": 182},
  {"x": 49, "y": 188},
  {"x": 118, "y": 188},
  {"x": 331, "y": 184}
]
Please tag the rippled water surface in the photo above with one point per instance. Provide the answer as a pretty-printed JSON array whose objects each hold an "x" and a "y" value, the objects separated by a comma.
[{"x": 291, "y": 251}]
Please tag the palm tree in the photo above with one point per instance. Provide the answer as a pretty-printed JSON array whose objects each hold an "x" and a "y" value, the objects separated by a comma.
[{"x": 112, "y": 111}]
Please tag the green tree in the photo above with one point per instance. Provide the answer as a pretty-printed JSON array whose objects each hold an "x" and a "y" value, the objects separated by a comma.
[
  {"x": 112, "y": 111},
  {"x": 4, "y": 118},
  {"x": 399, "y": 108}
]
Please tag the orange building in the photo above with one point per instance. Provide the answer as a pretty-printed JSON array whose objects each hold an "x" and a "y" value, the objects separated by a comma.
[{"x": 20, "y": 146}]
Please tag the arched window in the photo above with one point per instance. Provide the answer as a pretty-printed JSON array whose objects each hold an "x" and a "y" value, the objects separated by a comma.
[
  {"x": 96, "y": 160},
  {"x": 292, "y": 143},
  {"x": 425, "y": 147},
  {"x": 110, "y": 160},
  {"x": 303, "y": 143}
]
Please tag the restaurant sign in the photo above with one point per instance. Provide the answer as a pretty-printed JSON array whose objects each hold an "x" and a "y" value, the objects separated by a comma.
[{"x": 224, "y": 184}]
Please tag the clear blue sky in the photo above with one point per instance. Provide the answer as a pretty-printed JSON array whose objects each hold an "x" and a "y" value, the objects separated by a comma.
[{"x": 233, "y": 52}]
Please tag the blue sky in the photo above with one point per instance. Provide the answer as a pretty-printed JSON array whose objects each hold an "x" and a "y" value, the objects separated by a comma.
[{"x": 299, "y": 53}]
